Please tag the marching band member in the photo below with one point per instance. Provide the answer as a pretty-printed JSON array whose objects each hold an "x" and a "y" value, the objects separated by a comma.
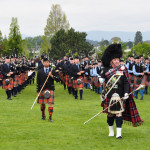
[
  {"x": 117, "y": 80},
  {"x": 77, "y": 73},
  {"x": 47, "y": 95},
  {"x": 7, "y": 80},
  {"x": 138, "y": 73},
  {"x": 147, "y": 75}
]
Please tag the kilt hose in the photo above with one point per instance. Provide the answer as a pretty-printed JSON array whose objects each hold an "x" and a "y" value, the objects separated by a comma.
[
  {"x": 147, "y": 80},
  {"x": 76, "y": 85},
  {"x": 16, "y": 80},
  {"x": 138, "y": 81},
  {"x": 42, "y": 100},
  {"x": 9, "y": 86}
]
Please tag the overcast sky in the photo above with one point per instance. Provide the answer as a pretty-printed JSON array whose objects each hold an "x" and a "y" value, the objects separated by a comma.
[{"x": 83, "y": 15}]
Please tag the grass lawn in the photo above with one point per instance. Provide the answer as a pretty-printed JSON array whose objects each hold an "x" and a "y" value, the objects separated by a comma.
[{"x": 23, "y": 129}]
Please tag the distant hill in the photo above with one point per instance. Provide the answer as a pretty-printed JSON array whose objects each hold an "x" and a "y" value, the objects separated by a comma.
[
  {"x": 107, "y": 35},
  {"x": 95, "y": 43}
]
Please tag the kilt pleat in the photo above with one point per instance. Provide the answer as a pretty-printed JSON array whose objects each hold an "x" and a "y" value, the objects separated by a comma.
[{"x": 43, "y": 100}]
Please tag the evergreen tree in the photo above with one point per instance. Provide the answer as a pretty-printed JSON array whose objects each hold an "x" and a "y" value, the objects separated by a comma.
[
  {"x": 138, "y": 38},
  {"x": 15, "y": 40}
]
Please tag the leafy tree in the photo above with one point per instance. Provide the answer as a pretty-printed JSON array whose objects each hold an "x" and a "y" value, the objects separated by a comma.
[
  {"x": 103, "y": 43},
  {"x": 57, "y": 20},
  {"x": 15, "y": 40},
  {"x": 138, "y": 38},
  {"x": 129, "y": 44},
  {"x": 69, "y": 42},
  {"x": 142, "y": 49}
]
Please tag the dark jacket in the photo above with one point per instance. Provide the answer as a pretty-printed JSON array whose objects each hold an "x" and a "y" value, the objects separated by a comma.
[
  {"x": 5, "y": 70},
  {"x": 121, "y": 87},
  {"x": 41, "y": 78}
]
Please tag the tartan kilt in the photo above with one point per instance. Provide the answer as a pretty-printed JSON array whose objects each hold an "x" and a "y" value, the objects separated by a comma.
[
  {"x": 96, "y": 82},
  {"x": 16, "y": 80},
  {"x": 87, "y": 80},
  {"x": 42, "y": 100},
  {"x": 21, "y": 81},
  {"x": 92, "y": 80},
  {"x": 147, "y": 83},
  {"x": 9, "y": 86},
  {"x": 135, "y": 81},
  {"x": 61, "y": 76},
  {"x": 70, "y": 82},
  {"x": 1, "y": 76},
  {"x": 66, "y": 79},
  {"x": 26, "y": 75},
  {"x": 76, "y": 86}
]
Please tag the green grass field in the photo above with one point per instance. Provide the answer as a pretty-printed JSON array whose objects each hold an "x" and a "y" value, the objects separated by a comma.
[{"x": 23, "y": 129}]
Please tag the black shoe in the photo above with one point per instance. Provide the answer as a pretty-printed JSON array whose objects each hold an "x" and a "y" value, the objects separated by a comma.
[
  {"x": 120, "y": 137},
  {"x": 43, "y": 117},
  {"x": 15, "y": 95},
  {"x": 81, "y": 98},
  {"x": 50, "y": 120},
  {"x": 9, "y": 98}
]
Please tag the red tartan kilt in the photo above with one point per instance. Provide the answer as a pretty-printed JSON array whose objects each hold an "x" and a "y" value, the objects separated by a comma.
[
  {"x": 61, "y": 76},
  {"x": 42, "y": 100},
  {"x": 16, "y": 80},
  {"x": 66, "y": 79},
  {"x": 92, "y": 80},
  {"x": 96, "y": 82},
  {"x": 1, "y": 76},
  {"x": 147, "y": 83},
  {"x": 23, "y": 78},
  {"x": 26, "y": 75},
  {"x": 76, "y": 86},
  {"x": 135, "y": 81},
  {"x": 70, "y": 83},
  {"x": 105, "y": 104},
  {"x": 86, "y": 81},
  {"x": 9, "y": 86}
]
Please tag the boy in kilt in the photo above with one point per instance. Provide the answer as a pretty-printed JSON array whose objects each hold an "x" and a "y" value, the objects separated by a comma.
[
  {"x": 138, "y": 72},
  {"x": 129, "y": 66},
  {"x": 125, "y": 109},
  {"x": 7, "y": 79},
  {"x": 47, "y": 95},
  {"x": 147, "y": 75}
]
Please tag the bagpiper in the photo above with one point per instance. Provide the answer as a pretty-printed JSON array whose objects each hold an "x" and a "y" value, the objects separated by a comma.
[{"x": 117, "y": 86}]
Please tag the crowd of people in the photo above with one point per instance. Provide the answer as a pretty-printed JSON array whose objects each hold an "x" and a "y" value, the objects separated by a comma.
[
  {"x": 15, "y": 74},
  {"x": 111, "y": 77}
]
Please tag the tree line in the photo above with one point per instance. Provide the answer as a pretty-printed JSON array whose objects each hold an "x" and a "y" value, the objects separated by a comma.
[{"x": 59, "y": 40}]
